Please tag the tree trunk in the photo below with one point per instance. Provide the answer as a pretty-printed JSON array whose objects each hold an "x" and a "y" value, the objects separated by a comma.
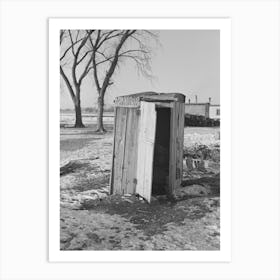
[
  {"x": 78, "y": 111},
  {"x": 100, "y": 109}
]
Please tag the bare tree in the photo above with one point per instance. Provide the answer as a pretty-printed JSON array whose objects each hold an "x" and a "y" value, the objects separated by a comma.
[
  {"x": 75, "y": 53},
  {"x": 110, "y": 48}
]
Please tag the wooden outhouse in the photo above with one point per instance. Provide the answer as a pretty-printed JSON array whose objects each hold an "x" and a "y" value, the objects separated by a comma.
[{"x": 148, "y": 144}]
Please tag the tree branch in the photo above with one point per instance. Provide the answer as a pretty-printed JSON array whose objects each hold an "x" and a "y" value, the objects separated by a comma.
[
  {"x": 94, "y": 66},
  {"x": 83, "y": 57},
  {"x": 85, "y": 72},
  {"x": 68, "y": 84},
  {"x": 66, "y": 51},
  {"x": 108, "y": 37},
  {"x": 114, "y": 62},
  {"x": 61, "y": 35},
  {"x": 72, "y": 43},
  {"x": 76, "y": 55}
]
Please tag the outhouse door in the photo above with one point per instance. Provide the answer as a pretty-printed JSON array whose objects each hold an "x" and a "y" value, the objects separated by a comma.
[{"x": 146, "y": 143}]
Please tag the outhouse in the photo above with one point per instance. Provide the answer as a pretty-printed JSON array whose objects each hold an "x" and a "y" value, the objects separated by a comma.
[{"x": 148, "y": 144}]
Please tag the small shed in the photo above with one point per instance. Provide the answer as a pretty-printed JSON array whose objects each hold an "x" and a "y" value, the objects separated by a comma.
[
  {"x": 148, "y": 144},
  {"x": 198, "y": 109}
]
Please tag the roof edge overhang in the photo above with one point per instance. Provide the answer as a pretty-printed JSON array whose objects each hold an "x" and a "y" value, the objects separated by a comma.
[{"x": 135, "y": 99}]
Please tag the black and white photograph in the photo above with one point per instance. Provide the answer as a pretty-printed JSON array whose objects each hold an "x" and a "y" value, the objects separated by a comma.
[{"x": 140, "y": 139}]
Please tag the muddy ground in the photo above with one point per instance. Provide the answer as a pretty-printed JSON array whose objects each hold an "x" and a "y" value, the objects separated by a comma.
[{"x": 90, "y": 219}]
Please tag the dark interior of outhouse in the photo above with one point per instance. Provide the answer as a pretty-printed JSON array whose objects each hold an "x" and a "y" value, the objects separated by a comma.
[{"x": 161, "y": 152}]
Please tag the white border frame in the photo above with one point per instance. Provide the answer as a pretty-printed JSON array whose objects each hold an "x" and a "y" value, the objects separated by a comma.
[{"x": 224, "y": 254}]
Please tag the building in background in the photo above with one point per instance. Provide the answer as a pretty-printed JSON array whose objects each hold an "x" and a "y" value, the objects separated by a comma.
[
  {"x": 214, "y": 112},
  {"x": 197, "y": 109},
  {"x": 205, "y": 109}
]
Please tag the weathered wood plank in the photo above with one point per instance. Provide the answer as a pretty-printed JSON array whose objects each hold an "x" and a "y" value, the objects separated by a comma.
[
  {"x": 119, "y": 149},
  {"x": 179, "y": 144},
  {"x": 116, "y": 151},
  {"x": 141, "y": 153},
  {"x": 159, "y": 98},
  {"x": 164, "y": 104},
  {"x": 113, "y": 156},
  {"x": 126, "y": 106},
  {"x": 182, "y": 127},
  {"x": 133, "y": 152},
  {"x": 130, "y": 157},
  {"x": 135, "y": 99},
  {"x": 125, "y": 168},
  {"x": 176, "y": 146},
  {"x": 127, "y": 101},
  {"x": 172, "y": 153},
  {"x": 146, "y": 141}
]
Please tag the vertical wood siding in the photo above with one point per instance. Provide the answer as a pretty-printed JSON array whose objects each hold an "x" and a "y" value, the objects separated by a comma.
[
  {"x": 172, "y": 154},
  {"x": 130, "y": 156},
  {"x": 147, "y": 131},
  {"x": 176, "y": 146},
  {"x": 133, "y": 149},
  {"x": 180, "y": 144},
  {"x": 123, "y": 176},
  {"x": 113, "y": 155},
  {"x": 119, "y": 149}
]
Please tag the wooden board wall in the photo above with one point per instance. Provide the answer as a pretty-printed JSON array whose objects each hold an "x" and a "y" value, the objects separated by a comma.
[
  {"x": 147, "y": 133},
  {"x": 126, "y": 151},
  {"x": 124, "y": 166},
  {"x": 176, "y": 146},
  {"x": 113, "y": 154},
  {"x": 180, "y": 144},
  {"x": 130, "y": 155}
]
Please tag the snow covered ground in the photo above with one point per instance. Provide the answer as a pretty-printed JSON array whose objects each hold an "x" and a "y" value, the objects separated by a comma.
[{"x": 91, "y": 219}]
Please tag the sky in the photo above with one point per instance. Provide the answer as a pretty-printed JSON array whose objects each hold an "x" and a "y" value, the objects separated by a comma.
[{"x": 186, "y": 61}]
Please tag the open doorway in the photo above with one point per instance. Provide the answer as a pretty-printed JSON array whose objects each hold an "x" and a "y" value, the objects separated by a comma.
[{"x": 161, "y": 152}]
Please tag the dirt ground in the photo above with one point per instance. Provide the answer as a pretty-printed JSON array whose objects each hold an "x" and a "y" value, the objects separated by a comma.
[{"x": 91, "y": 219}]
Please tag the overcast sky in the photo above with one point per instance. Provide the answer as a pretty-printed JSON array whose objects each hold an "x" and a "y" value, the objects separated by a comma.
[{"x": 188, "y": 61}]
